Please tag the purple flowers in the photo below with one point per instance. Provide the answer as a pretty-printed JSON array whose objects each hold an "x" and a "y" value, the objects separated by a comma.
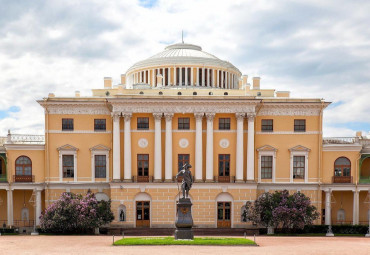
[{"x": 74, "y": 213}]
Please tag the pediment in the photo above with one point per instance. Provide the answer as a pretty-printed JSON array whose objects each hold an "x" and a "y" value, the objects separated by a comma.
[
  {"x": 67, "y": 147},
  {"x": 299, "y": 148},
  {"x": 100, "y": 147},
  {"x": 266, "y": 148}
]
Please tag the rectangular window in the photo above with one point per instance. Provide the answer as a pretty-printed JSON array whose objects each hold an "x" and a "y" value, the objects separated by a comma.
[
  {"x": 100, "y": 166},
  {"x": 67, "y": 124},
  {"x": 224, "y": 165},
  {"x": 267, "y": 126},
  {"x": 266, "y": 167},
  {"x": 182, "y": 160},
  {"x": 68, "y": 166},
  {"x": 298, "y": 167},
  {"x": 299, "y": 125},
  {"x": 224, "y": 123},
  {"x": 183, "y": 123},
  {"x": 142, "y": 123},
  {"x": 143, "y": 164},
  {"x": 100, "y": 125}
]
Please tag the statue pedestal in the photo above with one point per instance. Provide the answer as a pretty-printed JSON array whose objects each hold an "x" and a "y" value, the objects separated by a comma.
[{"x": 184, "y": 220}]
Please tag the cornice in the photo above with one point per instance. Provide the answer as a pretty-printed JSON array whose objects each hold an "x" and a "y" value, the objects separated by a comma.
[
  {"x": 75, "y": 107},
  {"x": 291, "y": 109},
  {"x": 32, "y": 147}
]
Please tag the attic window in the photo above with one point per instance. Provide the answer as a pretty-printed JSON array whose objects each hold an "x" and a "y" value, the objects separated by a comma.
[
  {"x": 179, "y": 93},
  {"x": 225, "y": 93},
  {"x": 160, "y": 93},
  {"x": 141, "y": 92},
  {"x": 195, "y": 93}
]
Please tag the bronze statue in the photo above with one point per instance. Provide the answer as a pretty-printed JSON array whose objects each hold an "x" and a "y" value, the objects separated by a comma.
[{"x": 187, "y": 179}]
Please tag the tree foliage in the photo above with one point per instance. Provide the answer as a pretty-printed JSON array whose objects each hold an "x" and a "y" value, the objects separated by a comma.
[
  {"x": 74, "y": 213},
  {"x": 280, "y": 209}
]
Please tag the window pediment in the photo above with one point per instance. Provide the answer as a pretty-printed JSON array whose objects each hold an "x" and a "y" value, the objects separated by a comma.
[
  {"x": 267, "y": 148},
  {"x": 67, "y": 147},
  {"x": 299, "y": 148},
  {"x": 100, "y": 147}
]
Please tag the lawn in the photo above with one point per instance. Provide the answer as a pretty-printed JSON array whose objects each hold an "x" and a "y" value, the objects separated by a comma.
[{"x": 196, "y": 241}]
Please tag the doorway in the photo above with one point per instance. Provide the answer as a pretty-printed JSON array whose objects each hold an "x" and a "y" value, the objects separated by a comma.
[
  {"x": 142, "y": 214},
  {"x": 224, "y": 214}
]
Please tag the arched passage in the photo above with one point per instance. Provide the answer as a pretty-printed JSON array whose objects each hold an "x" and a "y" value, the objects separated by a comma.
[
  {"x": 224, "y": 210},
  {"x": 143, "y": 210}
]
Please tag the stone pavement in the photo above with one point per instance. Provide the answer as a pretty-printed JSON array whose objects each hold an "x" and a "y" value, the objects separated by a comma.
[{"x": 102, "y": 245}]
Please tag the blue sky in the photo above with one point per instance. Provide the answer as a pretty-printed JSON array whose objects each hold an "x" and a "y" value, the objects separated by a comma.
[{"x": 315, "y": 49}]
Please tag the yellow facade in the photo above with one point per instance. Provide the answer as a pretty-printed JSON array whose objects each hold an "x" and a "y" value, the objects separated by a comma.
[{"x": 229, "y": 125}]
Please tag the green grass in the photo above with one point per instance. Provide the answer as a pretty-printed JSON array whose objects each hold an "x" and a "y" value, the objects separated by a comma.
[
  {"x": 314, "y": 234},
  {"x": 172, "y": 241}
]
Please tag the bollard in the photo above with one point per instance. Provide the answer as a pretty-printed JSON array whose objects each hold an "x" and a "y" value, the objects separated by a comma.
[
  {"x": 123, "y": 234},
  {"x": 254, "y": 237},
  {"x": 245, "y": 234},
  {"x": 113, "y": 239}
]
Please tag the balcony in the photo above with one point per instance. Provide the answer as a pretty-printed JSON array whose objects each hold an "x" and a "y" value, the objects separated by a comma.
[
  {"x": 342, "y": 179},
  {"x": 3, "y": 178},
  {"x": 23, "y": 178}
]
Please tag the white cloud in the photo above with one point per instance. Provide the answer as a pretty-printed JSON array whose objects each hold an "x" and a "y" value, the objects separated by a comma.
[{"x": 315, "y": 49}]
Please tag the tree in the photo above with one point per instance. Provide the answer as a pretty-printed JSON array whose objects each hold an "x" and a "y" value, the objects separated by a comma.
[
  {"x": 74, "y": 213},
  {"x": 280, "y": 209}
]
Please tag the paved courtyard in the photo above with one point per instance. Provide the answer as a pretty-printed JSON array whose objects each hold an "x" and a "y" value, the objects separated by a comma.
[{"x": 102, "y": 245}]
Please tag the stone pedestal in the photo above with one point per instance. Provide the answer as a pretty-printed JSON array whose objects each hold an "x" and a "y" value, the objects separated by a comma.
[{"x": 184, "y": 220}]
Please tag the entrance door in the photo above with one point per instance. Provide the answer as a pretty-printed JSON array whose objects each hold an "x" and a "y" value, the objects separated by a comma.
[
  {"x": 143, "y": 214},
  {"x": 224, "y": 214}
]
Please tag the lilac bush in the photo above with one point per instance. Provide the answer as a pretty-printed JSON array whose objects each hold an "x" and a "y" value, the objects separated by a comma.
[
  {"x": 280, "y": 209},
  {"x": 74, "y": 213}
]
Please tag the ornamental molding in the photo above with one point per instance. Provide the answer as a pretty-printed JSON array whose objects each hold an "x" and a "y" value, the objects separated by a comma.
[
  {"x": 267, "y": 148},
  {"x": 288, "y": 133},
  {"x": 183, "y": 143},
  {"x": 301, "y": 109},
  {"x": 77, "y": 132},
  {"x": 142, "y": 143},
  {"x": 182, "y": 106},
  {"x": 76, "y": 108},
  {"x": 67, "y": 147},
  {"x": 299, "y": 148},
  {"x": 100, "y": 147},
  {"x": 224, "y": 143}
]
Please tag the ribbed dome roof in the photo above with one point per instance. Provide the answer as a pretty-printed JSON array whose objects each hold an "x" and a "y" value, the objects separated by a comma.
[{"x": 183, "y": 53}]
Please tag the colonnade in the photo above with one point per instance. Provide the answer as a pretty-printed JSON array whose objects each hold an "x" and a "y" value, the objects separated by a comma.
[
  {"x": 168, "y": 147},
  {"x": 187, "y": 76}
]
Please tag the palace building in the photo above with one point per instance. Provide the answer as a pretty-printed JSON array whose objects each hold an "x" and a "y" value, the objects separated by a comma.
[{"x": 126, "y": 143}]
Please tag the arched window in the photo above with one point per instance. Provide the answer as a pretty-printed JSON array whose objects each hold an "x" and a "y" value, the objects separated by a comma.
[
  {"x": 23, "y": 166},
  {"x": 342, "y": 167}
]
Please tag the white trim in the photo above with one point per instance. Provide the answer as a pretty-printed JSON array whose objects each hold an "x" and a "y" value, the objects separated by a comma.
[
  {"x": 99, "y": 152},
  {"x": 67, "y": 152},
  {"x": 289, "y": 133},
  {"x": 299, "y": 153},
  {"x": 341, "y": 147},
  {"x": 78, "y": 132},
  {"x": 164, "y": 185},
  {"x": 31, "y": 147},
  {"x": 143, "y": 196},
  {"x": 224, "y": 197}
]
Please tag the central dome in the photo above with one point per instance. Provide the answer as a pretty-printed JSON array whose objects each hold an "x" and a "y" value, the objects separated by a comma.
[{"x": 183, "y": 53}]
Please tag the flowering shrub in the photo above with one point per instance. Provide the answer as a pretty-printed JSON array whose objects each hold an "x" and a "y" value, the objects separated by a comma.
[
  {"x": 74, "y": 213},
  {"x": 280, "y": 209}
]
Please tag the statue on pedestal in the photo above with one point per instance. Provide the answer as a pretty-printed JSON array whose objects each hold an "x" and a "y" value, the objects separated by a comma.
[{"x": 187, "y": 180}]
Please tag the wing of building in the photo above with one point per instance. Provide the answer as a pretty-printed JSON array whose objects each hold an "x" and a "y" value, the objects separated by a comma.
[{"x": 126, "y": 143}]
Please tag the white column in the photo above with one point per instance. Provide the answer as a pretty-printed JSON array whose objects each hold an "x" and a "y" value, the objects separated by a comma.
[
  {"x": 169, "y": 77},
  {"x": 328, "y": 207},
  {"x": 127, "y": 175},
  {"x": 218, "y": 78},
  {"x": 197, "y": 76},
  {"x": 355, "y": 207},
  {"x": 239, "y": 146},
  {"x": 250, "y": 147},
  {"x": 168, "y": 149},
  {"x": 38, "y": 207},
  {"x": 180, "y": 76},
  {"x": 208, "y": 77},
  {"x": 10, "y": 206},
  {"x": 144, "y": 73},
  {"x": 213, "y": 78},
  {"x": 153, "y": 78},
  {"x": 174, "y": 76},
  {"x": 116, "y": 147},
  {"x": 222, "y": 79},
  {"x": 203, "y": 77},
  {"x": 209, "y": 149},
  {"x": 157, "y": 147},
  {"x": 192, "y": 76},
  {"x": 198, "y": 147},
  {"x": 186, "y": 76},
  {"x": 163, "y": 76}
]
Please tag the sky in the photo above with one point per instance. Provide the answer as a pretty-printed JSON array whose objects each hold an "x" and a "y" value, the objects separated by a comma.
[{"x": 315, "y": 49}]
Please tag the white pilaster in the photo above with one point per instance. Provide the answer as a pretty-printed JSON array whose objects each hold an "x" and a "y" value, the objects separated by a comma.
[
  {"x": 38, "y": 207},
  {"x": 239, "y": 146},
  {"x": 328, "y": 207},
  {"x": 198, "y": 147},
  {"x": 168, "y": 155},
  {"x": 116, "y": 147},
  {"x": 10, "y": 206},
  {"x": 127, "y": 175},
  {"x": 250, "y": 147},
  {"x": 157, "y": 147},
  {"x": 355, "y": 207},
  {"x": 209, "y": 149}
]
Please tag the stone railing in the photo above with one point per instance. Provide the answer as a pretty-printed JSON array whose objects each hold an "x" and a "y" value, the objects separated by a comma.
[
  {"x": 25, "y": 139},
  {"x": 340, "y": 140}
]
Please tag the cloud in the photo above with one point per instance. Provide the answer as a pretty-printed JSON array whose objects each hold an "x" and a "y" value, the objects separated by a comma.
[{"x": 315, "y": 49}]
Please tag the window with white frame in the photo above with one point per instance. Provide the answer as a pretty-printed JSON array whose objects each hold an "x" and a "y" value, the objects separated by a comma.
[
  {"x": 67, "y": 162},
  {"x": 99, "y": 162},
  {"x": 100, "y": 166},
  {"x": 68, "y": 166},
  {"x": 266, "y": 167},
  {"x": 299, "y": 163},
  {"x": 266, "y": 163}
]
